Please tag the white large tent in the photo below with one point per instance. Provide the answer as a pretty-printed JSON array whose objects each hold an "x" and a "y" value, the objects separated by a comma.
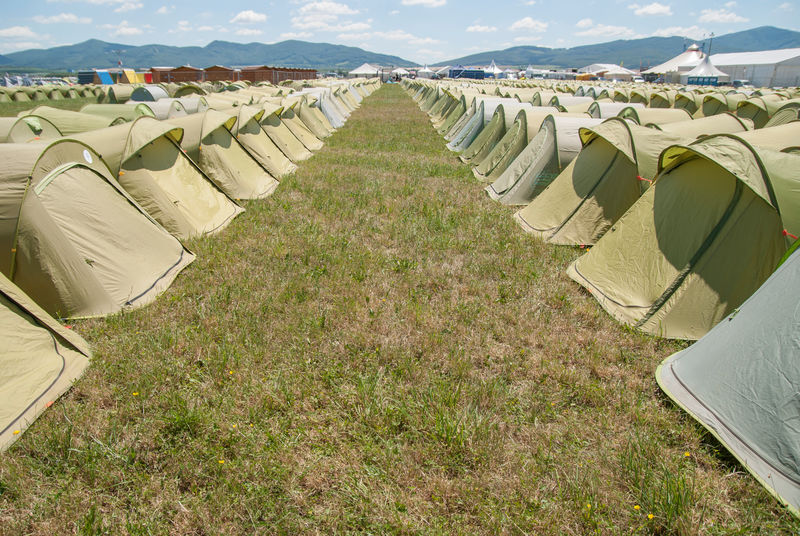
[
  {"x": 683, "y": 62},
  {"x": 768, "y": 68},
  {"x": 366, "y": 70},
  {"x": 704, "y": 73}
]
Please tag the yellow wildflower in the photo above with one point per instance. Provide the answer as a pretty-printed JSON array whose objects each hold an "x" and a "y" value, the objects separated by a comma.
[
  {"x": 650, "y": 516},
  {"x": 16, "y": 432},
  {"x": 636, "y": 507},
  {"x": 135, "y": 393}
]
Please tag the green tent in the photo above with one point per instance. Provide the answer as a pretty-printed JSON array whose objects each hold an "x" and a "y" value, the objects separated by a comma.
[
  {"x": 741, "y": 382},
  {"x": 760, "y": 109},
  {"x": 502, "y": 120},
  {"x": 39, "y": 361},
  {"x": 690, "y": 101},
  {"x": 313, "y": 118},
  {"x": 604, "y": 110},
  {"x": 253, "y": 138},
  {"x": 128, "y": 111},
  {"x": 789, "y": 111},
  {"x": 623, "y": 95},
  {"x": 484, "y": 112},
  {"x": 550, "y": 151},
  {"x": 120, "y": 93},
  {"x": 657, "y": 116},
  {"x": 25, "y": 129},
  {"x": 207, "y": 139},
  {"x": 608, "y": 176},
  {"x": 146, "y": 156},
  {"x": 292, "y": 121},
  {"x": 700, "y": 241},
  {"x": 516, "y": 138},
  {"x": 664, "y": 98},
  {"x": 72, "y": 238},
  {"x": 280, "y": 134},
  {"x": 455, "y": 113},
  {"x": 717, "y": 103},
  {"x": 69, "y": 122},
  {"x": 471, "y": 102}
]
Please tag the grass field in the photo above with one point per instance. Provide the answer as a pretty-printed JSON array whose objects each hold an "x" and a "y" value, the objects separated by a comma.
[{"x": 377, "y": 348}]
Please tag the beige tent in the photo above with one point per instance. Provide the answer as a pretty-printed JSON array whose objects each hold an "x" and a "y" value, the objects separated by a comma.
[
  {"x": 25, "y": 129},
  {"x": 69, "y": 122},
  {"x": 701, "y": 240},
  {"x": 151, "y": 166},
  {"x": 604, "y": 110},
  {"x": 39, "y": 361},
  {"x": 655, "y": 116},
  {"x": 517, "y": 137},
  {"x": 608, "y": 176},
  {"x": 789, "y": 111},
  {"x": 280, "y": 134},
  {"x": 717, "y": 103},
  {"x": 128, "y": 111},
  {"x": 73, "y": 239},
  {"x": 296, "y": 126},
  {"x": 760, "y": 109},
  {"x": 253, "y": 138},
  {"x": 314, "y": 119},
  {"x": 552, "y": 150},
  {"x": 503, "y": 119},
  {"x": 207, "y": 139}
]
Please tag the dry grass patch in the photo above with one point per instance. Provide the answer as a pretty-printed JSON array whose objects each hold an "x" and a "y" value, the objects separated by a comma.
[{"x": 376, "y": 348}]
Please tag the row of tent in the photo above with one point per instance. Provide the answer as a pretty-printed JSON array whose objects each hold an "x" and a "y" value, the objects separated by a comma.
[
  {"x": 95, "y": 206},
  {"x": 686, "y": 217}
]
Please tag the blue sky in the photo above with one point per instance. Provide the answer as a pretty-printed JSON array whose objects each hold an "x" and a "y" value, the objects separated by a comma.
[{"x": 425, "y": 31}]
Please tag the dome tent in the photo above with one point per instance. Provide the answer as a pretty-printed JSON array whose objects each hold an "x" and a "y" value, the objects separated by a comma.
[
  {"x": 701, "y": 240},
  {"x": 75, "y": 241},
  {"x": 146, "y": 157},
  {"x": 27, "y": 128},
  {"x": 128, "y": 111},
  {"x": 551, "y": 150},
  {"x": 208, "y": 141},
  {"x": 253, "y": 138},
  {"x": 503, "y": 118},
  {"x": 69, "y": 122},
  {"x": 39, "y": 361},
  {"x": 280, "y": 134},
  {"x": 608, "y": 176},
  {"x": 740, "y": 381}
]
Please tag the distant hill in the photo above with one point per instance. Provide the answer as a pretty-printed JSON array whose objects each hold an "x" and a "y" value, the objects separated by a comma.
[
  {"x": 100, "y": 54},
  {"x": 632, "y": 52}
]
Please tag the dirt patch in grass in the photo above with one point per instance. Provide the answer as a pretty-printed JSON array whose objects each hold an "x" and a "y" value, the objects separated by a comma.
[{"x": 376, "y": 348}]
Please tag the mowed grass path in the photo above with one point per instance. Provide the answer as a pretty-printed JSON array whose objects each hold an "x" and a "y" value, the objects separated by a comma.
[{"x": 377, "y": 348}]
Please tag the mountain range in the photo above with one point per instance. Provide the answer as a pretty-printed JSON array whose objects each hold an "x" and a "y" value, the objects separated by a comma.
[{"x": 324, "y": 56}]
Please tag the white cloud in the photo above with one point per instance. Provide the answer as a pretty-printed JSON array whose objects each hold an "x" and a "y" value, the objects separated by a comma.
[
  {"x": 17, "y": 31},
  {"x": 248, "y": 16},
  {"x": 651, "y": 9},
  {"x": 93, "y": 2},
  {"x": 584, "y": 23},
  {"x": 331, "y": 8},
  {"x": 529, "y": 3},
  {"x": 394, "y": 12},
  {"x": 183, "y": 26},
  {"x": 693, "y": 32},
  {"x": 296, "y": 35},
  {"x": 205, "y": 28},
  {"x": 392, "y": 35},
  {"x": 481, "y": 29},
  {"x": 19, "y": 45},
  {"x": 527, "y": 39},
  {"x": 62, "y": 18},
  {"x": 426, "y": 3},
  {"x": 730, "y": 5},
  {"x": 606, "y": 30},
  {"x": 165, "y": 10},
  {"x": 720, "y": 16},
  {"x": 248, "y": 31},
  {"x": 786, "y": 6},
  {"x": 129, "y": 6},
  {"x": 528, "y": 23}
]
